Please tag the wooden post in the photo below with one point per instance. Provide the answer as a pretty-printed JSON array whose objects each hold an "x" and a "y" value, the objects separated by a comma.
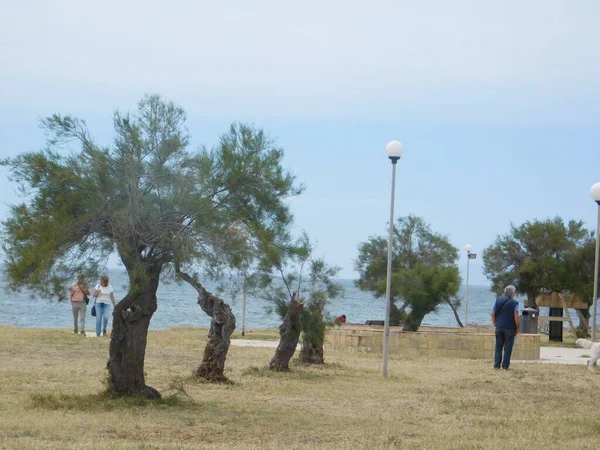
[
  {"x": 583, "y": 319},
  {"x": 564, "y": 304}
]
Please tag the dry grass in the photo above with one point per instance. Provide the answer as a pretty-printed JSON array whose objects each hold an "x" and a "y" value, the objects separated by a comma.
[
  {"x": 51, "y": 384},
  {"x": 568, "y": 341},
  {"x": 269, "y": 334}
]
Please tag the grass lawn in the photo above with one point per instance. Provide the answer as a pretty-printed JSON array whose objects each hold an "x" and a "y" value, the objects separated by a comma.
[
  {"x": 270, "y": 334},
  {"x": 51, "y": 385}
]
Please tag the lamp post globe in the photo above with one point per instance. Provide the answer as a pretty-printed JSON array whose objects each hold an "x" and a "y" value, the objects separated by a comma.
[
  {"x": 468, "y": 248},
  {"x": 394, "y": 150},
  {"x": 594, "y": 191}
]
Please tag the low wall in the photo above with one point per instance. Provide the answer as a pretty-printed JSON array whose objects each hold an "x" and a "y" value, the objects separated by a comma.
[{"x": 446, "y": 342}]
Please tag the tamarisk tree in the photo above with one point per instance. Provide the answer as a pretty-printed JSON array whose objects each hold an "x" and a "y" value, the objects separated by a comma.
[
  {"x": 150, "y": 200},
  {"x": 425, "y": 271},
  {"x": 539, "y": 255},
  {"x": 542, "y": 256},
  {"x": 299, "y": 289}
]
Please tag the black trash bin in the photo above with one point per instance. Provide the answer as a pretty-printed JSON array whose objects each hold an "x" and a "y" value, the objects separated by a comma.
[
  {"x": 555, "y": 327},
  {"x": 529, "y": 321}
]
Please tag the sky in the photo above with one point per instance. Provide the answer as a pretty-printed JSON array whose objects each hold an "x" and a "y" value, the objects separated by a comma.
[{"x": 496, "y": 103}]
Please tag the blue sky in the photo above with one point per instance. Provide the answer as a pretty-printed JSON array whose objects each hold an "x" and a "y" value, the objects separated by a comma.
[{"x": 497, "y": 103}]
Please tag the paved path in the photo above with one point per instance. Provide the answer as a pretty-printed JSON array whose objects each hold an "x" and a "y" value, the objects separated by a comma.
[
  {"x": 549, "y": 355},
  {"x": 255, "y": 343},
  {"x": 93, "y": 334},
  {"x": 561, "y": 355}
]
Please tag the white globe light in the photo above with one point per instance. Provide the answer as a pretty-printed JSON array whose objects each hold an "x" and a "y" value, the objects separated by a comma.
[
  {"x": 595, "y": 192},
  {"x": 468, "y": 247},
  {"x": 394, "y": 149}
]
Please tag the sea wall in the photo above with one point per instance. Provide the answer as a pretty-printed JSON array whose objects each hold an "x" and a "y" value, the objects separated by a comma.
[{"x": 431, "y": 342}]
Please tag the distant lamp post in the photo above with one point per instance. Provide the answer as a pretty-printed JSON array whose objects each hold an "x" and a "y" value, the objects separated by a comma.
[
  {"x": 595, "y": 194},
  {"x": 240, "y": 229},
  {"x": 470, "y": 256},
  {"x": 394, "y": 151},
  {"x": 244, "y": 297}
]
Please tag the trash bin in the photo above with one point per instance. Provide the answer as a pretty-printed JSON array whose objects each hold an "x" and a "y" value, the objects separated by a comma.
[
  {"x": 555, "y": 327},
  {"x": 529, "y": 321}
]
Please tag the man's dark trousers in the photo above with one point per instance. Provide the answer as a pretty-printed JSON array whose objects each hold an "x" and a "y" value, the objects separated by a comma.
[{"x": 505, "y": 338}]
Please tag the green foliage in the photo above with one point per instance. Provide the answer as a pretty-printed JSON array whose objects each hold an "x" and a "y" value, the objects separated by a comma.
[
  {"x": 321, "y": 289},
  {"x": 542, "y": 255},
  {"x": 279, "y": 273},
  {"x": 311, "y": 278},
  {"x": 147, "y": 197},
  {"x": 424, "y": 268},
  {"x": 424, "y": 288}
]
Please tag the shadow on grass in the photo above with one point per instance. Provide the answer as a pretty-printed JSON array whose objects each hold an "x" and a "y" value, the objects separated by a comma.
[
  {"x": 298, "y": 371},
  {"x": 103, "y": 402},
  {"x": 402, "y": 378},
  {"x": 107, "y": 401}
]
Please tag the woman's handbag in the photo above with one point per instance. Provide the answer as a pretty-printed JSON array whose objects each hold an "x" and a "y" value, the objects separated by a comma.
[
  {"x": 85, "y": 297},
  {"x": 94, "y": 310}
]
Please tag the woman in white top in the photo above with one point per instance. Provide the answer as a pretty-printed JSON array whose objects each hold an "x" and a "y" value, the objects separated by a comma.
[{"x": 104, "y": 294}]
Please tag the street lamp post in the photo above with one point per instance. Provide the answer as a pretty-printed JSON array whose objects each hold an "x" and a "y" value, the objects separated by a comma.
[
  {"x": 239, "y": 229},
  {"x": 595, "y": 194},
  {"x": 470, "y": 256},
  {"x": 394, "y": 151},
  {"x": 244, "y": 296}
]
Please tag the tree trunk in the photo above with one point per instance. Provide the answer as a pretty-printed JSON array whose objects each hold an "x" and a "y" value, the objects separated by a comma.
[
  {"x": 397, "y": 314},
  {"x": 219, "y": 336},
  {"x": 413, "y": 320},
  {"x": 531, "y": 300},
  {"x": 221, "y": 328},
  {"x": 289, "y": 334},
  {"x": 412, "y": 323},
  {"x": 584, "y": 325},
  {"x": 311, "y": 353},
  {"x": 131, "y": 319},
  {"x": 456, "y": 316},
  {"x": 313, "y": 335}
]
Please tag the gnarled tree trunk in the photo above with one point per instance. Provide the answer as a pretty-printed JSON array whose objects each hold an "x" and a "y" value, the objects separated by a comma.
[
  {"x": 311, "y": 353},
  {"x": 221, "y": 328},
  {"x": 397, "y": 314},
  {"x": 531, "y": 303},
  {"x": 289, "y": 334},
  {"x": 131, "y": 319},
  {"x": 219, "y": 336},
  {"x": 414, "y": 319},
  {"x": 584, "y": 325},
  {"x": 456, "y": 316}
]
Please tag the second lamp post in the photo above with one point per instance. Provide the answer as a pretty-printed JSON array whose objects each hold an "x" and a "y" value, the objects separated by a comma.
[{"x": 470, "y": 256}]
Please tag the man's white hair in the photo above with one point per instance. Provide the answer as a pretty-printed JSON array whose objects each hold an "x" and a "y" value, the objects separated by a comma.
[{"x": 510, "y": 290}]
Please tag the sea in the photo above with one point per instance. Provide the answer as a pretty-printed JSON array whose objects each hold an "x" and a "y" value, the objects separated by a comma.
[{"x": 178, "y": 306}]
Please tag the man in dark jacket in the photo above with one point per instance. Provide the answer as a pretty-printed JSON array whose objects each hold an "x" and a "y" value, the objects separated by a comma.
[{"x": 505, "y": 317}]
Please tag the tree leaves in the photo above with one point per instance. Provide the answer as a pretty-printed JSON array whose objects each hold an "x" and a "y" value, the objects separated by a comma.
[
  {"x": 537, "y": 255},
  {"x": 147, "y": 196},
  {"x": 424, "y": 268}
]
